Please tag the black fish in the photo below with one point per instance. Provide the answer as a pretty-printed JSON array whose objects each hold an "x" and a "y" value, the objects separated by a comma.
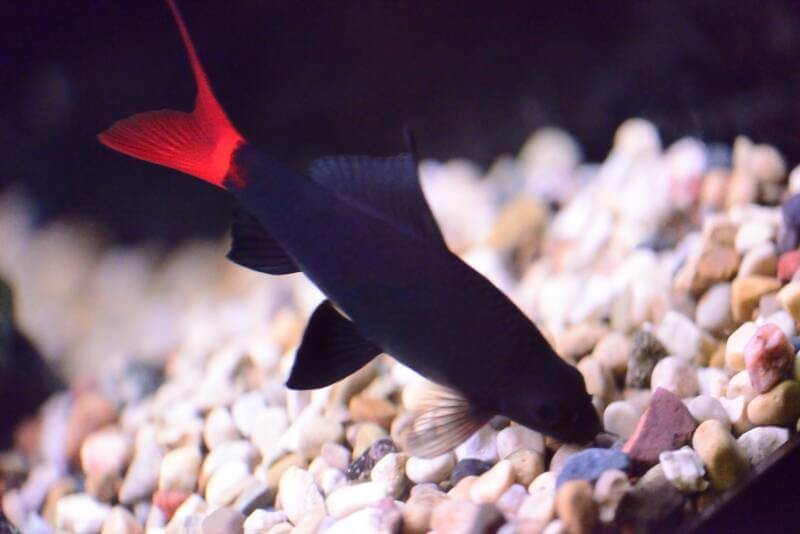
[{"x": 359, "y": 227}]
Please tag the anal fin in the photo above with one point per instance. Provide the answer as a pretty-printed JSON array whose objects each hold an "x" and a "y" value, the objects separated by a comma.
[
  {"x": 331, "y": 349},
  {"x": 443, "y": 421},
  {"x": 253, "y": 247}
]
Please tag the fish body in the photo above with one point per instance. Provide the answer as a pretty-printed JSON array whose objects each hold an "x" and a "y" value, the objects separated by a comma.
[{"x": 359, "y": 227}]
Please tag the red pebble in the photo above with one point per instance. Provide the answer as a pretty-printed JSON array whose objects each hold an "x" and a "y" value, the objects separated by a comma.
[
  {"x": 788, "y": 264},
  {"x": 169, "y": 501},
  {"x": 769, "y": 357},
  {"x": 666, "y": 425}
]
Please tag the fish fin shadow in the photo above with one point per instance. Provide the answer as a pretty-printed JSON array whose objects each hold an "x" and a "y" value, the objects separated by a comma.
[
  {"x": 443, "y": 420},
  {"x": 254, "y": 248},
  {"x": 331, "y": 349}
]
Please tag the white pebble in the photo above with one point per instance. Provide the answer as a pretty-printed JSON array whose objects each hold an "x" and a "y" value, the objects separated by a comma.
[
  {"x": 330, "y": 479},
  {"x": 227, "y": 482},
  {"x": 540, "y": 505},
  {"x": 299, "y": 494},
  {"x": 609, "y": 490},
  {"x": 758, "y": 443},
  {"x": 705, "y": 407},
  {"x": 260, "y": 521},
  {"x": 782, "y": 319},
  {"x": 391, "y": 472},
  {"x": 245, "y": 410},
  {"x": 621, "y": 418},
  {"x": 684, "y": 469},
  {"x": 676, "y": 375},
  {"x": 515, "y": 437},
  {"x": 740, "y": 386},
  {"x": 712, "y": 381},
  {"x": 753, "y": 233},
  {"x": 219, "y": 427},
  {"x": 179, "y": 469},
  {"x": 436, "y": 469},
  {"x": 679, "y": 335},
  {"x": 348, "y": 499},
  {"x": 482, "y": 445},
  {"x": 80, "y": 512}
]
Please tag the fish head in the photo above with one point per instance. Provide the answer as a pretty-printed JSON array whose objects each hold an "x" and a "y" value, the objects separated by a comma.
[{"x": 557, "y": 405}]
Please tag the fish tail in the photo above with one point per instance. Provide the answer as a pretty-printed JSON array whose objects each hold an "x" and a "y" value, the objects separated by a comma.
[{"x": 200, "y": 143}]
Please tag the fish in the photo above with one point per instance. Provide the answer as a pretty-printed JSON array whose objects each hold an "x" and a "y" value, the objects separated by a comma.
[{"x": 359, "y": 227}]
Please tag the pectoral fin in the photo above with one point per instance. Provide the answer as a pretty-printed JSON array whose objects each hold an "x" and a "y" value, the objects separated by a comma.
[
  {"x": 253, "y": 247},
  {"x": 443, "y": 421},
  {"x": 332, "y": 348}
]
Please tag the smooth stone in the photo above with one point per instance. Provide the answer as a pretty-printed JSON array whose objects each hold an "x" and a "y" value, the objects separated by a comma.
[
  {"x": 713, "y": 311},
  {"x": 761, "y": 259},
  {"x": 376, "y": 410},
  {"x": 527, "y": 465},
  {"x": 366, "y": 435},
  {"x": 677, "y": 375},
  {"x": 418, "y": 510},
  {"x": 760, "y": 442},
  {"x": 227, "y": 483},
  {"x": 753, "y": 233},
  {"x": 281, "y": 528},
  {"x": 780, "y": 318},
  {"x": 712, "y": 381},
  {"x": 268, "y": 429},
  {"x": 591, "y": 463},
  {"x": 613, "y": 353},
  {"x": 309, "y": 432},
  {"x": 299, "y": 494},
  {"x": 769, "y": 357},
  {"x": 384, "y": 517},
  {"x": 705, "y": 407},
  {"x": 737, "y": 413},
  {"x": 562, "y": 454},
  {"x": 741, "y": 386},
  {"x": 734, "y": 347},
  {"x": 665, "y": 425},
  {"x": 745, "y": 292},
  {"x": 779, "y": 406},
  {"x": 468, "y": 467},
  {"x": 493, "y": 483},
  {"x": 679, "y": 335},
  {"x": 336, "y": 455},
  {"x": 245, "y": 411},
  {"x": 646, "y": 351},
  {"x": 120, "y": 521},
  {"x": 260, "y": 521},
  {"x": 105, "y": 452},
  {"x": 651, "y": 503},
  {"x": 789, "y": 297},
  {"x": 219, "y": 427},
  {"x": 788, "y": 264},
  {"x": 482, "y": 445},
  {"x": 511, "y": 499},
  {"x": 599, "y": 382},
  {"x": 515, "y": 437},
  {"x": 465, "y": 517},
  {"x": 579, "y": 339},
  {"x": 436, "y": 469},
  {"x": 330, "y": 479},
  {"x": 360, "y": 468},
  {"x": 229, "y": 451},
  {"x": 609, "y": 490},
  {"x": 180, "y": 469},
  {"x": 348, "y": 499},
  {"x": 223, "y": 521},
  {"x": 391, "y": 472},
  {"x": 541, "y": 503},
  {"x": 724, "y": 459},
  {"x": 620, "y": 418},
  {"x": 576, "y": 507},
  {"x": 256, "y": 495},
  {"x": 684, "y": 468},
  {"x": 90, "y": 411},
  {"x": 80, "y": 513},
  {"x": 462, "y": 489},
  {"x": 168, "y": 502}
]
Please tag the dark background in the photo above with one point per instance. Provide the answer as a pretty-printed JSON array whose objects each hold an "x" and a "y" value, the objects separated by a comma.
[{"x": 304, "y": 79}]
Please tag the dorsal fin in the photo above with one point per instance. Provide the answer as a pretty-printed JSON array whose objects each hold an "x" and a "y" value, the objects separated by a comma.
[
  {"x": 253, "y": 247},
  {"x": 387, "y": 187},
  {"x": 332, "y": 348}
]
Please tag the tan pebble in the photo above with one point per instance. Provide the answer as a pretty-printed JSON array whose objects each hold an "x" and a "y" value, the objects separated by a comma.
[
  {"x": 390, "y": 471},
  {"x": 563, "y": 454},
  {"x": 725, "y": 461},
  {"x": 400, "y": 424},
  {"x": 273, "y": 473},
  {"x": 540, "y": 504},
  {"x": 740, "y": 386},
  {"x": 761, "y": 259},
  {"x": 576, "y": 507},
  {"x": 737, "y": 341},
  {"x": 260, "y": 521},
  {"x": 90, "y": 411},
  {"x": 621, "y": 418},
  {"x": 121, "y": 521},
  {"x": 465, "y": 517},
  {"x": 227, "y": 483},
  {"x": 675, "y": 374},
  {"x": 598, "y": 381},
  {"x": 713, "y": 189},
  {"x": 462, "y": 488},
  {"x": 527, "y": 465},
  {"x": 372, "y": 409},
  {"x": 613, "y": 352},
  {"x": 491, "y": 485},
  {"x": 789, "y": 298},
  {"x": 418, "y": 510},
  {"x": 717, "y": 264},
  {"x": 368, "y": 433},
  {"x": 580, "y": 339},
  {"x": 779, "y": 406},
  {"x": 745, "y": 292},
  {"x": 609, "y": 491},
  {"x": 180, "y": 469}
]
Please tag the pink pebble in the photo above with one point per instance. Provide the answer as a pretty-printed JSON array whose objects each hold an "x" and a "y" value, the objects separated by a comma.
[
  {"x": 788, "y": 264},
  {"x": 769, "y": 357}
]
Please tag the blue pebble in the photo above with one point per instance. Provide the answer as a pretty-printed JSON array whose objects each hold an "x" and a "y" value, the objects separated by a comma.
[{"x": 591, "y": 463}]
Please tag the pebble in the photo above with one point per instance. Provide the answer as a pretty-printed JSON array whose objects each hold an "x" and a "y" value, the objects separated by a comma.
[
  {"x": 245, "y": 411},
  {"x": 280, "y": 528},
  {"x": 706, "y": 407},
  {"x": 666, "y": 425},
  {"x": 723, "y": 458},
  {"x": 788, "y": 264},
  {"x": 219, "y": 427},
  {"x": 256, "y": 495},
  {"x": 560, "y": 457},
  {"x": 260, "y": 521},
  {"x": 713, "y": 311},
  {"x": 789, "y": 297},
  {"x": 436, "y": 469},
  {"x": 167, "y": 502},
  {"x": 299, "y": 494},
  {"x": 761, "y": 260},
  {"x": 482, "y": 445},
  {"x": 418, "y": 510},
  {"x": 677, "y": 375},
  {"x": 598, "y": 381},
  {"x": 227, "y": 482},
  {"x": 679, "y": 335},
  {"x": 230, "y": 451},
  {"x": 335, "y": 455},
  {"x": 465, "y": 517},
  {"x": 360, "y": 468},
  {"x": 268, "y": 429},
  {"x": 609, "y": 490},
  {"x": 741, "y": 386},
  {"x": 390, "y": 471},
  {"x": 540, "y": 505},
  {"x": 684, "y": 469},
  {"x": 653, "y": 502},
  {"x": 737, "y": 413},
  {"x": 493, "y": 483},
  {"x": 745, "y": 292},
  {"x": 366, "y": 434},
  {"x": 384, "y": 517},
  {"x": 349, "y": 499},
  {"x": 331, "y": 479},
  {"x": 527, "y": 465},
  {"x": 737, "y": 341},
  {"x": 223, "y": 521},
  {"x": 105, "y": 452},
  {"x": 613, "y": 352},
  {"x": 576, "y": 507},
  {"x": 621, "y": 418},
  {"x": 515, "y": 437},
  {"x": 180, "y": 469},
  {"x": 779, "y": 406},
  {"x": 760, "y": 442},
  {"x": 309, "y": 432},
  {"x": 591, "y": 463},
  {"x": 468, "y": 467},
  {"x": 646, "y": 351},
  {"x": 80, "y": 513},
  {"x": 769, "y": 357},
  {"x": 120, "y": 521},
  {"x": 510, "y": 501},
  {"x": 716, "y": 264},
  {"x": 372, "y": 409}
]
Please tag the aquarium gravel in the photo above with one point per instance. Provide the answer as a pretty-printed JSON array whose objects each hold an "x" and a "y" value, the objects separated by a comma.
[{"x": 668, "y": 276}]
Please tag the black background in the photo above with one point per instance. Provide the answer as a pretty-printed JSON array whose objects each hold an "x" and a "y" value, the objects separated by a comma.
[{"x": 304, "y": 79}]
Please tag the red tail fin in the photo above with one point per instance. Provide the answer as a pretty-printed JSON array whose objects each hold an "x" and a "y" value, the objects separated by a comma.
[{"x": 200, "y": 143}]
